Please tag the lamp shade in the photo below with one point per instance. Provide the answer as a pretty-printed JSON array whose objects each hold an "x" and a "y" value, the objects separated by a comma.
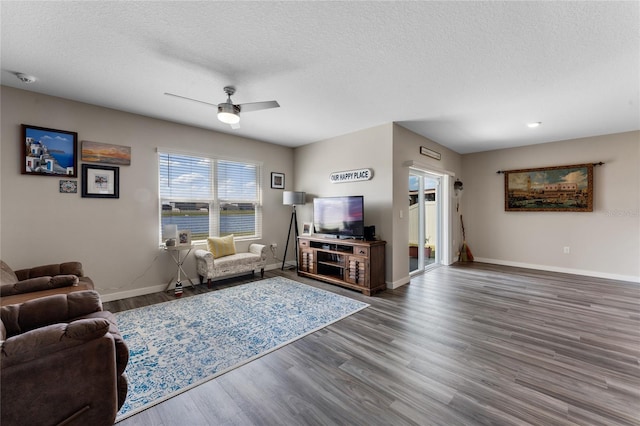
[
  {"x": 169, "y": 231},
  {"x": 293, "y": 198}
]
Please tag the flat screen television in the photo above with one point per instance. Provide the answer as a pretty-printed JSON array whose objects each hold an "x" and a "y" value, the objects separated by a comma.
[{"x": 339, "y": 217}]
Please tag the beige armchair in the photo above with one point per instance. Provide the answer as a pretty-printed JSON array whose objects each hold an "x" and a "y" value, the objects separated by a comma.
[{"x": 62, "y": 362}]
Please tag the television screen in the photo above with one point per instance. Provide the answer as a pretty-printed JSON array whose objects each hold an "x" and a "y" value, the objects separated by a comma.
[{"x": 341, "y": 217}]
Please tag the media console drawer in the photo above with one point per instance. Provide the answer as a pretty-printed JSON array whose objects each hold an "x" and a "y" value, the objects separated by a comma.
[
  {"x": 354, "y": 264},
  {"x": 362, "y": 251}
]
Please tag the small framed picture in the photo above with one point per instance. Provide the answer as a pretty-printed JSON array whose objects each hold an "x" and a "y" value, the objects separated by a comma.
[
  {"x": 307, "y": 228},
  {"x": 184, "y": 237},
  {"x": 68, "y": 186},
  {"x": 100, "y": 181},
  {"x": 277, "y": 180}
]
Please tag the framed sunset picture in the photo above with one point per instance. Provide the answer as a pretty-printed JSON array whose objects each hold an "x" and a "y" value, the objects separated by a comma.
[{"x": 98, "y": 152}]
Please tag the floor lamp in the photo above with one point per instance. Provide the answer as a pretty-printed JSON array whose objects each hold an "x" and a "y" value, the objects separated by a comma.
[{"x": 292, "y": 198}]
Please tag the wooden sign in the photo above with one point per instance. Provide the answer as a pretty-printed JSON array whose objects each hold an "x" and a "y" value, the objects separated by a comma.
[
  {"x": 351, "y": 176},
  {"x": 430, "y": 153}
]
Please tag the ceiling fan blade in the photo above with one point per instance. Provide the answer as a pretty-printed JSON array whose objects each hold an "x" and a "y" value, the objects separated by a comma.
[
  {"x": 255, "y": 106},
  {"x": 235, "y": 126},
  {"x": 190, "y": 99}
]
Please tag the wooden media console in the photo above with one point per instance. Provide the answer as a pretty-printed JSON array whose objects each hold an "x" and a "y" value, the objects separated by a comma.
[{"x": 355, "y": 264}]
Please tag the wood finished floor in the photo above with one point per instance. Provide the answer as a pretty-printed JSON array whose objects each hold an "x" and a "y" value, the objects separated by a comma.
[{"x": 462, "y": 345}]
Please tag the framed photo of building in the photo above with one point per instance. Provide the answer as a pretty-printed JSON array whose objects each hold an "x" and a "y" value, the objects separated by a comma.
[
  {"x": 557, "y": 189},
  {"x": 277, "y": 180},
  {"x": 48, "y": 152},
  {"x": 100, "y": 181}
]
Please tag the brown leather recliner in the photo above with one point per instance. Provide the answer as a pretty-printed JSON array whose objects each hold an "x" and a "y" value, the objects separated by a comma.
[
  {"x": 62, "y": 360},
  {"x": 30, "y": 283}
]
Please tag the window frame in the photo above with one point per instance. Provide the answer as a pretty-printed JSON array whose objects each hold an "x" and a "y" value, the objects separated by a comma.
[{"x": 214, "y": 201}]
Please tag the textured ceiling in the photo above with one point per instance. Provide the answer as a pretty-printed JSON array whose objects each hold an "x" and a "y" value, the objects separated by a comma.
[{"x": 468, "y": 75}]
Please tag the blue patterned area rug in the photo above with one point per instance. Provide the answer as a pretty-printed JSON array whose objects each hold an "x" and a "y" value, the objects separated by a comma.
[{"x": 183, "y": 343}]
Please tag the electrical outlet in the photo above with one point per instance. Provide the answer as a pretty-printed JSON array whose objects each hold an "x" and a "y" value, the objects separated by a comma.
[
  {"x": 274, "y": 245},
  {"x": 567, "y": 250}
]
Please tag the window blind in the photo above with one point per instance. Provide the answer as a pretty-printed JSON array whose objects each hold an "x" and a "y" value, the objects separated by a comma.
[{"x": 210, "y": 196}]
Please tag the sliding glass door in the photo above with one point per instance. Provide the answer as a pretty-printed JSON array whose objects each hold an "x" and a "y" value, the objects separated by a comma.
[{"x": 425, "y": 220}]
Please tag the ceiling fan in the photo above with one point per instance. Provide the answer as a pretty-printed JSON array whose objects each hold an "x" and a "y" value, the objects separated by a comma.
[{"x": 228, "y": 112}]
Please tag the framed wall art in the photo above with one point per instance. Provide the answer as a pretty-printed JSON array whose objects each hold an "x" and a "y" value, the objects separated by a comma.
[
  {"x": 100, "y": 181},
  {"x": 561, "y": 188},
  {"x": 48, "y": 152},
  {"x": 68, "y": 186},
  {"x": 184, "y": 237},
  {"x": 277, "y": 180},
  {"x": 307, "y": 228},
  {"x": 98, "y": 152}
]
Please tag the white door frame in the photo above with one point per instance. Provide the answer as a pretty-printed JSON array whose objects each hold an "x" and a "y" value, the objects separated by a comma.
[{"x": 445, "y": 210}]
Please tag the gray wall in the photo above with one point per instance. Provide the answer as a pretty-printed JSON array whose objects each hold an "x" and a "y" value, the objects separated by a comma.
[
  {"x": 603, "y": 243},
  {"x": 370, "y": 148},
  {"x": 406, "y": 148},
  {"x": 116, "y": 240},
  {"x": 385, "y": 149}
]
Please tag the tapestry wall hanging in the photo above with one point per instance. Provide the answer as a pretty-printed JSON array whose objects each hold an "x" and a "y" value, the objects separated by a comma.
[{"x": 561, "y": 188}]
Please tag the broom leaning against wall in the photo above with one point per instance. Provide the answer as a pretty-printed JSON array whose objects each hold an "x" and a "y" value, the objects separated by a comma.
[
  {"x": 465, "y": 254},
  {"x": 465, "y": 251}
]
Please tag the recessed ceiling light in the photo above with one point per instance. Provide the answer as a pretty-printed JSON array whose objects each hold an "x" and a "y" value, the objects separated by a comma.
[{"x": 535, "y": 124}]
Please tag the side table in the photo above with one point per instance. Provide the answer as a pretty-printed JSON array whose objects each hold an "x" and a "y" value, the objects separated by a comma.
[{"x": 176, "y": 255}]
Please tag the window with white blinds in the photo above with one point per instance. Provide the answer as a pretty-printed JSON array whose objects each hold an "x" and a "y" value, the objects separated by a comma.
[{"x": 210, "y": 196}]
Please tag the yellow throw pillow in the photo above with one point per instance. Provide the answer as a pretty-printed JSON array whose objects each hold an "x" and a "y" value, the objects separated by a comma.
[{"x": 221, "y": 246}]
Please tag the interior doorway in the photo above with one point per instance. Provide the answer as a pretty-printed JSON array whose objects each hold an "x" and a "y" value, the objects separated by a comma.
[{"x": 425, "y": 220}]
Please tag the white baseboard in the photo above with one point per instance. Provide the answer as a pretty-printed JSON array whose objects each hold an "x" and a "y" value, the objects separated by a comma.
[
  {"x": 278, "y": 265},
  {"x": 596, "y": 274},
  {"x": 110, "y": 297},
  {"x": 398, "y": 283},
  {"x": 291, "y": 264},
  {"x": 402, "y": 281}
]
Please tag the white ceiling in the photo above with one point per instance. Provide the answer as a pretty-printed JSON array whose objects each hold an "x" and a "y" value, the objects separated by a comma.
[{"x": 468, "y": 75}]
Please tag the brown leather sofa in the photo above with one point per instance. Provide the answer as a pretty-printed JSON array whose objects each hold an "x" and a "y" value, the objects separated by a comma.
[
  {"x": 26, "y": 284},
  {"x": 62, "y": 362}
]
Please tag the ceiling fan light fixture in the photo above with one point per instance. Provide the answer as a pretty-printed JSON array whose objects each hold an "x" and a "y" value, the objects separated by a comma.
[
  {"x": 228, "y": 117},
  {"x": 227, "y": 114}
]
